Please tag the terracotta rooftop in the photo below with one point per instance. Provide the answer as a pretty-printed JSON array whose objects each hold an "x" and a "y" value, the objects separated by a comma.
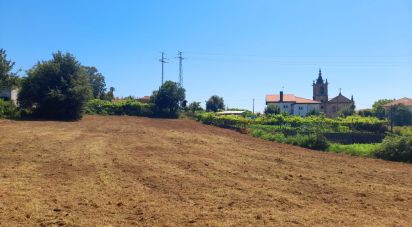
[
  {"x": 289, "y": 98},
  {"x": 404, "y": 101}
]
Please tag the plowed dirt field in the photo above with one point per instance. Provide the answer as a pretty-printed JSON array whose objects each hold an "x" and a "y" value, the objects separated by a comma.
[{"x": 123, "y": 171}]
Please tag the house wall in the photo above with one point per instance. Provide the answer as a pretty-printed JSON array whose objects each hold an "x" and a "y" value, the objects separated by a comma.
[
  {"x": 286, "y": 107},
  {"x": 296, "y": 109},
  {"x": 14, "y": 95},
  {"x": 304, "y": 109}
]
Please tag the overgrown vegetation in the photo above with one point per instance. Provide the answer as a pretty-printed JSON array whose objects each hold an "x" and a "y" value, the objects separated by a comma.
[
  {"x": 8, "y": 110},
  {"x": 396, "y": 148},
  {"x": 128, "y": 107},
  {"x": 56, "y": 89}
]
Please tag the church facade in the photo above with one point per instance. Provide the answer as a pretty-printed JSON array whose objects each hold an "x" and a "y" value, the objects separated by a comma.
[{"x": 330, "y": 107}]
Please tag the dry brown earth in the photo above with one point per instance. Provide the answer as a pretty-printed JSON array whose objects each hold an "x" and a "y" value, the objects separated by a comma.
[{"x": 121, "y": 171}]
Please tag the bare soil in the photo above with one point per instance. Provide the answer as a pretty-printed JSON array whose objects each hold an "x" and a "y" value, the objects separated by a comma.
[{"x": 123, "y": 171}]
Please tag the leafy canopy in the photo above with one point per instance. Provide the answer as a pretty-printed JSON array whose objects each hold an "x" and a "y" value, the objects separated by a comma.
[
  {"x": 214, "y": 104},
  {"x": 56, "y": 89},
  {"x": 167, "y": 99},
  {"x": 7, "y": 77}
]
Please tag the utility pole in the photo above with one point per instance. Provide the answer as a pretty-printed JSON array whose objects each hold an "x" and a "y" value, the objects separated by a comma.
[
  {"x": 391, "y": 117},
  {"x": 163, "y": 61},
  {"x": 180, "y": 57},
  {"x": 253, "y": 106}
]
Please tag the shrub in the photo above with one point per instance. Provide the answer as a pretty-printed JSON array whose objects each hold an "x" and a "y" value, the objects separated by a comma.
[
  {"x": 396, "y": 148},
  {"x": 312, "y": 141},
  {"x": 8, "y": 109},
  {"x": 124, "y": 107}
]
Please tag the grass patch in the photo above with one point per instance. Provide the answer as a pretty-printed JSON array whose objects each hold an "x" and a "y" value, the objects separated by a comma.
[{"x": 364, "y": 150}]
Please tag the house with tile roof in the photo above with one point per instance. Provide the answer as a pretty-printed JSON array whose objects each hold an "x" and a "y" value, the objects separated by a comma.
[
  {"x": 293, "y": 105},
  {"x": 403, "y": 101}
]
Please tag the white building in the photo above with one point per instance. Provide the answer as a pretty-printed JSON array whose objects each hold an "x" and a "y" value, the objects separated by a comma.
[
  {"x": 292, "y": 104},
  {"x": 8, "y": 93}
]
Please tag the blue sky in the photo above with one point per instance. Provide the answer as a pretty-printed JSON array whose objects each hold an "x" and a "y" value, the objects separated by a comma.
[{"x": 237, "y": 49}]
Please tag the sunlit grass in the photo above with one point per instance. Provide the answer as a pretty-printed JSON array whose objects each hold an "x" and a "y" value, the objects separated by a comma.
[{"x": 365, "y": 150}]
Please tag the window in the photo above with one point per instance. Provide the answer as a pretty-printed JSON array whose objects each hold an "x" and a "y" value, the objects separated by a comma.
[
  {"x": 322, "y": 90},
  {"x": 300, "y": 107},
  {"x": 285, "y": 106}
]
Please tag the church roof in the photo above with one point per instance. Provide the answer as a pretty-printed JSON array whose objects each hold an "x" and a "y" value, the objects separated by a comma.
[
  {"x": 404, "y": 101},
  {"x": 289, "y": 98},
  {"x": 340, "y": 99}
]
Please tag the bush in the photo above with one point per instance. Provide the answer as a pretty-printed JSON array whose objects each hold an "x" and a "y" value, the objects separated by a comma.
[
  {"x": 396, "y": 148},
  {"x": 8, "y": 109},
  {"x": 56, "y": 89},
  {"x": 312, "y": 141},
  {"x": 124, "y": 107}
]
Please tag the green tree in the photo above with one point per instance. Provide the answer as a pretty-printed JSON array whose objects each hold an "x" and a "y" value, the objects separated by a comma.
[
  {"x": 378, "y": 110},
  {"x": 7, "y": 77},
  {"x": 272, "y": 109},
  {"x": 167, "y": 99},
  {"x": 97, "y": 82},
  {"x": 215, "y": 103},
  {"x": 56, "y": 89},
  {"x": 194, "y": 107},
  {"x": 110, "y": 94}
]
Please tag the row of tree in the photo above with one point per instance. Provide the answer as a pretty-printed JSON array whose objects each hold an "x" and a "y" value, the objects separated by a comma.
[{"x": 60, "y": 87}]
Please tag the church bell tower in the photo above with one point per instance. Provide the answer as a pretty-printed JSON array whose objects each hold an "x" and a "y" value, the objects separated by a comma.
[{"x": 320, "y": 91}]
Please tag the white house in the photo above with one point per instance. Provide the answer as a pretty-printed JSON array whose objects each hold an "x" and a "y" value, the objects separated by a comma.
[
  {"x": 403, "y": 101},
  {"x": 292, "y": 104},
  {"x": 8, "y": 93}
]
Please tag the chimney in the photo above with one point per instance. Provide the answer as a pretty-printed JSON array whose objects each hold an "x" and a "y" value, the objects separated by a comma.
[{"x": 281, "y": 96}]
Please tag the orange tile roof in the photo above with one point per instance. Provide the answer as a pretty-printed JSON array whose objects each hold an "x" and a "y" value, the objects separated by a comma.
[
  {"x": 404, "y": 101},
  {"x": 289, "y": 98}
]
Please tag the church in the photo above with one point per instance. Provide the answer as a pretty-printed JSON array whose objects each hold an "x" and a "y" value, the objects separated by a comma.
[
  {"x": 294, "y": 105},
  {"x": 330, "y": 107}
]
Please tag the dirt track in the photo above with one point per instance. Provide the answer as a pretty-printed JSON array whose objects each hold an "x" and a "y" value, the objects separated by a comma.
[{"x": 116, "y": 171}]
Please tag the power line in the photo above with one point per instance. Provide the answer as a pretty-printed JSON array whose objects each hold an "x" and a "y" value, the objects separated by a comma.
[{"x": 163, "y": 61}]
